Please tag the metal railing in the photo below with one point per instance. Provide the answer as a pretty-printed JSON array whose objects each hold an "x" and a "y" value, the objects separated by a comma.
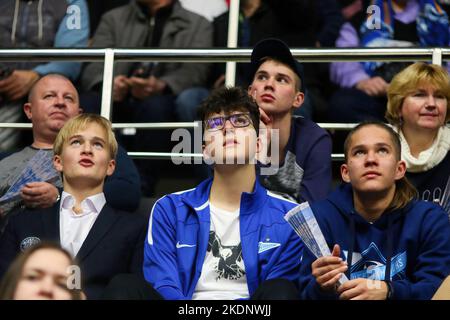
[{"x": 110, "y": 56}]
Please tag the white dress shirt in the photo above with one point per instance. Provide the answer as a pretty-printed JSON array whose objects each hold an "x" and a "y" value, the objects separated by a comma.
[{"x": 75, "y": 227}]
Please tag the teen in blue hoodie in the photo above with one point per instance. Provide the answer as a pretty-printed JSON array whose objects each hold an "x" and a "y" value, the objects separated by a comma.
[
  {"x": 225, "y": 239},
  {"x": 389, "y": 245}
]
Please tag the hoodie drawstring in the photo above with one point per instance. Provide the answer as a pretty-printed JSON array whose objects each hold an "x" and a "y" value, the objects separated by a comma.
[
  {"x": 40, "y": 23},
  {"x": 390, "y": 239},
  {"x": 16, "y": 18},
  {"x": 351, "y": 247},
  {"x": 14, "y": 26}
]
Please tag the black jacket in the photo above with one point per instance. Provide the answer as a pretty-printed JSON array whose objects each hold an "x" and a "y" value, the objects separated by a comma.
[{"x": 114, "y": 245}]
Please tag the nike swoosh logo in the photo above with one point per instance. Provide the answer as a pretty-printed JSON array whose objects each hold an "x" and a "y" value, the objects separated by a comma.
[{"x": 179, "y": 245}]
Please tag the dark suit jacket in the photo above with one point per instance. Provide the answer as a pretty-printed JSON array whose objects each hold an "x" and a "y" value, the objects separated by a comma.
[{"x": 114, "y": 245}]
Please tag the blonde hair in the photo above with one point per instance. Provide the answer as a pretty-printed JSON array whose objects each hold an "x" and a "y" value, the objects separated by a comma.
[
  {"x": 80, "y": 122},
  {"x": 409, "y": 80}
]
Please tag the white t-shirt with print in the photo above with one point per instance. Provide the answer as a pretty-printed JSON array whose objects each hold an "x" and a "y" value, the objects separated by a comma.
[{"x": 223, "y": 274}]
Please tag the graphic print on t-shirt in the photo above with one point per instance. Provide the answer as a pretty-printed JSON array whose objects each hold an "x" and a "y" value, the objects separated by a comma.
[{"x": 229, "y": 263}]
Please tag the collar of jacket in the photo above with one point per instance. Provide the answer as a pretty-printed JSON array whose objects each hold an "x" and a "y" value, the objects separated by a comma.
[{"x": 250, "y": 201}]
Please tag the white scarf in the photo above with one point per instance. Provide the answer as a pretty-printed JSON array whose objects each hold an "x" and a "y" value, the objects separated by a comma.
[{"x": 429, "y": 158}]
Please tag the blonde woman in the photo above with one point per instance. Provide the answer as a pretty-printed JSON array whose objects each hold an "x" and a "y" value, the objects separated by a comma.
[{"x": 418, "y": 108}]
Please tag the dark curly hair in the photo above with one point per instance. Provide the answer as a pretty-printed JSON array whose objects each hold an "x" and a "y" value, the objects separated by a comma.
[{"x": 229, "y": 100}]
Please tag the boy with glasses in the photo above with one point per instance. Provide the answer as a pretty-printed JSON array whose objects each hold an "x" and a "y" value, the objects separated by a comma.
[{"x": 225, "y": 239}]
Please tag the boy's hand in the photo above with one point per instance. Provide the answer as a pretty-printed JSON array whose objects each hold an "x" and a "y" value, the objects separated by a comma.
[
  {"x": 39, "y": 194},
  {"x": 143, "y": 88},
  {"x": 265, "y": 136},
  {"x": 328, "y": 270},
  {"x": 265, "y": 119},
  {"x": 363, "y": 289}
]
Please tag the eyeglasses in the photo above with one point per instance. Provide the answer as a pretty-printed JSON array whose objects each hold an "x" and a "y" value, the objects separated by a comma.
[{"x": 238, "y": 120}]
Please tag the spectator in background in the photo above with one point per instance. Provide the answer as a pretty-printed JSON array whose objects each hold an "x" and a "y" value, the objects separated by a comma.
[
  {"x": 188, "y": 101},
  {"x": 35, "y": 24},
  {"x": 209, "y": 9},
  {"x": 53, "y": 101},
  {"x": 293, "y": 21},
  {"x": 304, "y": 149},
  {"x": 419, "y": 107},
  {"x": 299, "y": 23},
  {"x": 42, "y": 272},
  {"x": 362, "y": 93},
  {"x": 319, "y": 88},
  {"x": 99, "y": 7},
  {"x": 351, "y": 8},
  {"x": 146, "y": 92},
  {"x": 105, "y": 241}
]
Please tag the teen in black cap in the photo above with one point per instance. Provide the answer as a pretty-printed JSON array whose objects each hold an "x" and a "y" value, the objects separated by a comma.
[
  {"x": 304, "y": 148},
  {"x": 276, "y": 50}
]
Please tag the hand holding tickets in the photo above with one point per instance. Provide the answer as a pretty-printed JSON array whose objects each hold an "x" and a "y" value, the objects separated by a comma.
[{"x": 303, "y": 221}]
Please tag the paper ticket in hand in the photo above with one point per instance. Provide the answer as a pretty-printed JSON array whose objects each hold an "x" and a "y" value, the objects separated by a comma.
[{"x": 303, "y": 221}]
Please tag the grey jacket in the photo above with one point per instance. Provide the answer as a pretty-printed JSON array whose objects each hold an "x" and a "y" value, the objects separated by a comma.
[{"x": 127, "y": 27}]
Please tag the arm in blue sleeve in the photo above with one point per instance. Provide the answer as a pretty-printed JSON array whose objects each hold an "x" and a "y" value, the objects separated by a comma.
[
  {"x": 347, "y": 74},
  {"x": 123, "y": 188},
  {"x": 160, "y": 256},
  {"x": 73, "y": 32},
  {"x": 288, "y": 261},
  {"x": 432, "y": 265},
  {"x": 316, "y": 182}
]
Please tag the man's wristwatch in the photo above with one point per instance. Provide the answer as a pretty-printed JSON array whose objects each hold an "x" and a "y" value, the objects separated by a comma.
[{"x": 58, "y": 197}]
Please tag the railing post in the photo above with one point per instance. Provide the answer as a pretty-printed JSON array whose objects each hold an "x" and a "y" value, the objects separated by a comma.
[
  {"x": 437, "y": 56},
  {"x": 108, "y": 72},
  {"x": 233, "y": 30}
]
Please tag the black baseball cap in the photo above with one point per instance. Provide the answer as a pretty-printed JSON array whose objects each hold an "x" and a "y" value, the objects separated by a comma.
[{"x": 277, "y": 50}]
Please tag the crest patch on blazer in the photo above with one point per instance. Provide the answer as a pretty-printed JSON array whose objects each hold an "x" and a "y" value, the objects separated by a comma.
[{"x": 28, "y": 243}]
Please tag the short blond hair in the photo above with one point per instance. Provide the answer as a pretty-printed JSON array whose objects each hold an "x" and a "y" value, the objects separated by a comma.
[
  {"x": 409, "y": 80},
  {"x": 80, "y": 122}
]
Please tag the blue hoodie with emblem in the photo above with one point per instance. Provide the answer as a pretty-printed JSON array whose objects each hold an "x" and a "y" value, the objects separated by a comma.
[
  {"x": 408, "y": 246},
  {"x": 178, "y": 236}
]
